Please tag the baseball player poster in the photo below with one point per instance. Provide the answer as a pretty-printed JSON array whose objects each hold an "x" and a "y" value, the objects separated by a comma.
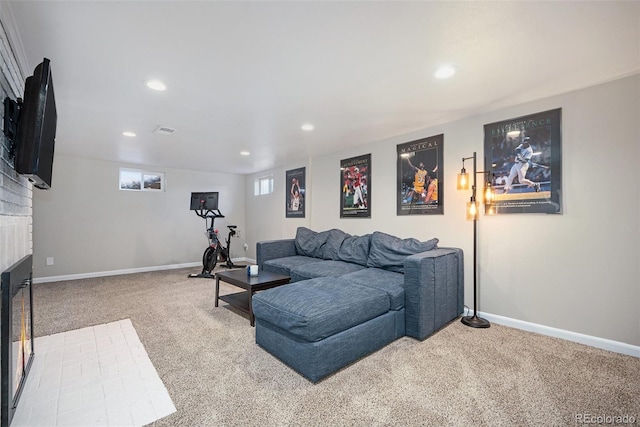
[
  {"x": 296, "y": 191},
  {"x": 524, "y": 160},
  {"x": 419, "y": 171},
  {"x": 355, "y": 187}
]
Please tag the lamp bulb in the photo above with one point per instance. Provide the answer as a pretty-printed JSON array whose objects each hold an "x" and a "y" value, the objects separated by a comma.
[{"x": 488, "y": 195}]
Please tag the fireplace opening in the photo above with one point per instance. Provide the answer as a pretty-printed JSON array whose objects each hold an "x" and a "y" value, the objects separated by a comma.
[{"x": 16, "y": 335}]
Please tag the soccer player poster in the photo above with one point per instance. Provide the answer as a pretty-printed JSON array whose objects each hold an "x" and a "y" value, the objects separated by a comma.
[
  {"x": 295, "y": 185},
  {"x": 419, "y": 172},
  {"x": 524, "y": 162},
  {"x": 355, "y": 187}
]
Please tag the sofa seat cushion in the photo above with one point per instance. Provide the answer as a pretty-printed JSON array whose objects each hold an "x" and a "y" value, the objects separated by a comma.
[
  {"x": 387, "y": 281},
  {"x": 325, "y": 268},
  {"x": 286, "y": 264},
  {"x": 318, "y": 308}
]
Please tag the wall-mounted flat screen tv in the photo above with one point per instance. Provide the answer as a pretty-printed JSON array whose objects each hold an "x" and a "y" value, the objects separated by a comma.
[{"x": 37, "y": 128}]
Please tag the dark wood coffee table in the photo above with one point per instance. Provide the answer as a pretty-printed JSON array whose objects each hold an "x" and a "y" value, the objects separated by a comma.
[{"x": 250, "y": 284}]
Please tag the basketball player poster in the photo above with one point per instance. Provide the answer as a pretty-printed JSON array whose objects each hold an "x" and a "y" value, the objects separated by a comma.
[
  {"x": 419, "y": 169},
  {"x": 355, "y": 187},
  {"x": 296, "y": 192},
  {"x": 524, "y": 161}
]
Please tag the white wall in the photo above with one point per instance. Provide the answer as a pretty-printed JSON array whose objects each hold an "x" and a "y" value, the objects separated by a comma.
[
  {"x": 578, "y": 271},
  {"x": 266, "y": 213},
  {"x": 88, "y": 225}
]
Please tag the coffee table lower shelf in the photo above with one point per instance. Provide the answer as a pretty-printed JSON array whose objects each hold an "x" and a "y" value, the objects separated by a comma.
[
  {"x": 239, "y": 300},
  {"x": 251, "y": 284}
]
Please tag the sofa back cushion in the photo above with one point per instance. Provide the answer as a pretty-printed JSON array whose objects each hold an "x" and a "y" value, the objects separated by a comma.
[
  {"x": 334, "y": 241},
  {"x": 355, "y": 249},
  {"x": 389, "y": 252},
  {"x": 310, "y": 243}
]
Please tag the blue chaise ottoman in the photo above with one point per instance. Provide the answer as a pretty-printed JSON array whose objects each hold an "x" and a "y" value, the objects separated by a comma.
[{"x": 344, "y": 323}]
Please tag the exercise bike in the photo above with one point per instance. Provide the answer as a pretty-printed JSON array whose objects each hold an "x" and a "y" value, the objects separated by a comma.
[{"x": 216, "y": 251}]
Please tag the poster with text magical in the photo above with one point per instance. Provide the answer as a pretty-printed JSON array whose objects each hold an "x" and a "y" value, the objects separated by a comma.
[{"x": 419, "y": 177}]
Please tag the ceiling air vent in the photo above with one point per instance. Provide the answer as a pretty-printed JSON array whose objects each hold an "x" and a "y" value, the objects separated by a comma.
[{"x": 164, "y": 130}]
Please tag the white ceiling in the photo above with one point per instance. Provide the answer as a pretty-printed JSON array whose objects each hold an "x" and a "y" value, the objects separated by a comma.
[{"x": 247, "y": 75}]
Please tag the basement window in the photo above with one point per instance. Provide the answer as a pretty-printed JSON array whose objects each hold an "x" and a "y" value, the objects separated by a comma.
[
  {"x": 263, "y": 185},
  {"x": 140, "y": 180}
]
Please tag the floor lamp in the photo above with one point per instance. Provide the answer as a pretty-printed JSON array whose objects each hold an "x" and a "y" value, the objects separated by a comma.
[{"x": 472, "y": 214}]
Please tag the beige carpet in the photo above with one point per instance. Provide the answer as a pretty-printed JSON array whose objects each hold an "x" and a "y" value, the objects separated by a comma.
[{"x": 217, "y": 375}]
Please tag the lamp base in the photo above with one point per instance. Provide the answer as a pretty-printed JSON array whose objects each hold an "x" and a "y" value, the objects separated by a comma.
[{"x": 475, "y": 321}]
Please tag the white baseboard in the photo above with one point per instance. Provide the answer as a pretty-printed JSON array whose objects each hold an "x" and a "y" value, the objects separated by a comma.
[
  {"x": 113, "y": 272},
  {"x": 127, "y": 271},
  {"x": 602, "y": 343}
]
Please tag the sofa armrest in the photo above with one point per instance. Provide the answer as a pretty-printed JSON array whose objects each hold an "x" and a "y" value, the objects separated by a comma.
[
  {"x": 434, "y": 290},
  {"x": 273, "y": 249}
]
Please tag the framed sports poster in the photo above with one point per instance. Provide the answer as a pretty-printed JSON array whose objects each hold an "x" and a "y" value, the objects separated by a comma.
[
  {"x": 524, "y": 159},
  {"x": 355, "y": 187},
  {"x": 419, "y": 172},
  {"x": 295, "y": 185}
]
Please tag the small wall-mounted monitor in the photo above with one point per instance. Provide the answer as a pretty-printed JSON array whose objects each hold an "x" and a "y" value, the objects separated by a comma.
[{"x": 204, "y": 201}]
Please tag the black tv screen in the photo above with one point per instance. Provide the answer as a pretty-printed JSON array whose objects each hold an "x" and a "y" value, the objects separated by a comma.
[
  {"x": 37, "y": 128},
  {"x": 204, "y": 201}
]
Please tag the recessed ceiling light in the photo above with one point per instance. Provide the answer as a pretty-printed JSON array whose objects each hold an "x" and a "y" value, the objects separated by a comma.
[
  {"x": 156, "y": 85},
  {"x": 129, "y": 134},
  {"x": 244, "y": 153},
  {"x": 308, "y": 127},
  {"x": 445, "y": 72}
]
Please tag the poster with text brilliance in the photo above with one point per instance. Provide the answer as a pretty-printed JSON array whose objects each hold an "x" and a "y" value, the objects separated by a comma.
[
  {"x": 355, "y": 187},
  {"x": 296, "y": 192},
  {"x": 420, "y": 171},
  {"x": 524, "y": 160}
]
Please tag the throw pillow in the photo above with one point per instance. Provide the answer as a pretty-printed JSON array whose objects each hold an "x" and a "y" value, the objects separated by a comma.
[{"x": 389, "y": 252}]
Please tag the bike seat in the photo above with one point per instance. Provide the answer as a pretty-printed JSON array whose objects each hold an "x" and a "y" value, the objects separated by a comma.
[{"x": 232, "y": 226}]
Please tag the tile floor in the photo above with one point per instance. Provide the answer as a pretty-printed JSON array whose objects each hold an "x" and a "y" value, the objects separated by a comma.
[{"x": 95, "y": 376}]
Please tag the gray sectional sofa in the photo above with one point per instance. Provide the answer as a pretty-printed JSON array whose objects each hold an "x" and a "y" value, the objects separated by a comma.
[{"x": 352, "y": 295}]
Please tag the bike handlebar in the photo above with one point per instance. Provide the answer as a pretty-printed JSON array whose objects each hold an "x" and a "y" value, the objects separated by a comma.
[{"x": 210, "y": 213}]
